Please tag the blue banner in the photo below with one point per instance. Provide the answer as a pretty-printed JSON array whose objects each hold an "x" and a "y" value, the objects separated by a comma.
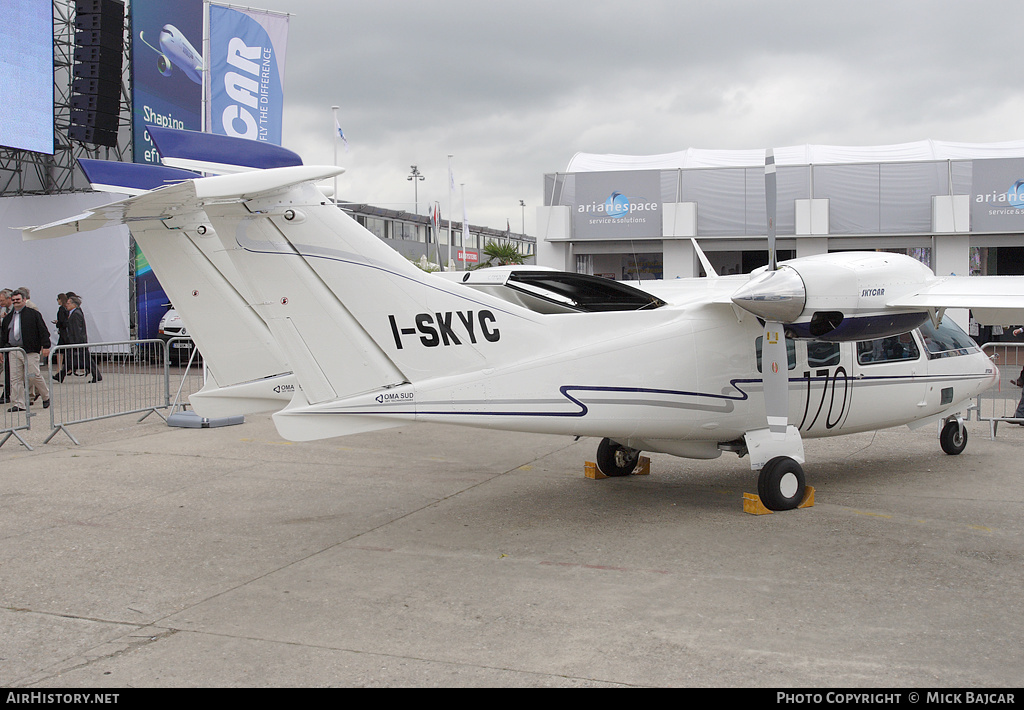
[
  {"x": 167, "y": 81},
  {"x": 246, "y": 94},
  {"x": 166, "y": 69}
]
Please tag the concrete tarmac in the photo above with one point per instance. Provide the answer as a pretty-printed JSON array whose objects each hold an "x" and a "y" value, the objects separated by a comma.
[{"x": 437, "y": 556}]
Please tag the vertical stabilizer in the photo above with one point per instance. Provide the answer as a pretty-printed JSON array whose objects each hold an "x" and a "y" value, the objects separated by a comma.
[{"x": 413, "y": 325}]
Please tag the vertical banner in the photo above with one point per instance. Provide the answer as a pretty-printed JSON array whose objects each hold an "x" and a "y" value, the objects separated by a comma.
[
  {"x": 166, "y": 69},
  {"x": 167, "y": 90},
  {"x": 245, "y": 92}
]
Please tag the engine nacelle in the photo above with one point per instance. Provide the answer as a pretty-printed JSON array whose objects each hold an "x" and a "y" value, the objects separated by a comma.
[{"x": 838, "y": 297}]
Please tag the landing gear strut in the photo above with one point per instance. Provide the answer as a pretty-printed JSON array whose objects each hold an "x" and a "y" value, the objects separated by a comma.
[
  {"x": 616, "y": 460},
  {"x": 781, "y": 484}
]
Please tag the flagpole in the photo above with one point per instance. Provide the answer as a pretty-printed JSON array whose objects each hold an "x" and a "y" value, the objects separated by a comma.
[
  {"x": 465, "y": 226},
  {"x": 451, "y": 188},
  {"x": 203, "y": 123},
  {"x": 334, "y": 111}
]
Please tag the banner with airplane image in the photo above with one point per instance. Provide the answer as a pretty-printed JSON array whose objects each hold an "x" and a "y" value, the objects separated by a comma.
[{"x": 166, "y": 70}]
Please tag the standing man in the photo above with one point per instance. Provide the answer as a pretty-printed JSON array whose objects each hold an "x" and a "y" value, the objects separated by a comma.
[
  {"x": 77, "y": 358},
  {"x": 5, "y": 308},
  {"x": 25, "y": 328},
  {"x": 61, "y": 322},
  {"x": 1019, "y": 414}
]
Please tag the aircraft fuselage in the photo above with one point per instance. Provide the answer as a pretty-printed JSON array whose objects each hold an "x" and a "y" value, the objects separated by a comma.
[{"x": 684, "y": 372}]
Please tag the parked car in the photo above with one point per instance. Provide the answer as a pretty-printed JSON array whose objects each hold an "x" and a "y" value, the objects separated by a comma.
[{"x": 171, "y": 330}]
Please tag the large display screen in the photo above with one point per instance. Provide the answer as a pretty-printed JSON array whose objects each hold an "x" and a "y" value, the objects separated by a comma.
[{"x": 26, "y": 65}]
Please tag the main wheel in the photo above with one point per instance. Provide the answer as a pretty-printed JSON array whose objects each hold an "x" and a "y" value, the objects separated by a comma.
[
  {"x": 781, "y": 484},
  {"x": 616, "y": 460},
  {"x": 953, "y": 439}
]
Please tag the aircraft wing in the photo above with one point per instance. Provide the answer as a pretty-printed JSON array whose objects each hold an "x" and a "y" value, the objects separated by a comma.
[{"x": 993, "y": 300}]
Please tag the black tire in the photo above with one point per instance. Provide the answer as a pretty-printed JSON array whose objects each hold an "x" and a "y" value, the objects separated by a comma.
[
  {"x": 953, "y": 439},
  {"x": 616, "y": 460},
  {"x": 781, "y": 484}
]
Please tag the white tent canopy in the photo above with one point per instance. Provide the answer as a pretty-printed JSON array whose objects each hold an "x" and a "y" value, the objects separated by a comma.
[
  {"x": 926, "y": 150},
  {"x": 95, "y": 266}
]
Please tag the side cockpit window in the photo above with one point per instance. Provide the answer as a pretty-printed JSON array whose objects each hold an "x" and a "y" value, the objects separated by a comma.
[
  {"x": 822, "y": 354},
  {"x": 895, "y": 348}
]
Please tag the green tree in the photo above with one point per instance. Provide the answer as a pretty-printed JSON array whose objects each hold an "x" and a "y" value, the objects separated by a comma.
[{"x": 500, "y": 254}]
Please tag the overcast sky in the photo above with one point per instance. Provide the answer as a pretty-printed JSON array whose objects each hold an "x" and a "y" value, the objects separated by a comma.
[{"x": 514, "y": 89}]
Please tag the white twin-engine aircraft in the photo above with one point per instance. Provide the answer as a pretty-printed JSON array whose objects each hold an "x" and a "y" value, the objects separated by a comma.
[{"x": 299, "y": 309}]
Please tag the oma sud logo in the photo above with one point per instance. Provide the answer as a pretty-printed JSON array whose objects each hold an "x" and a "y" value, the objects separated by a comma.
[{"x": 395, "y": 397}]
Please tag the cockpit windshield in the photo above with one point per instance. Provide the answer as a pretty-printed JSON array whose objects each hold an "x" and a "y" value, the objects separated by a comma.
[
  {"x": 947, "y": 340},
  {"x": 580, "y": 292}
]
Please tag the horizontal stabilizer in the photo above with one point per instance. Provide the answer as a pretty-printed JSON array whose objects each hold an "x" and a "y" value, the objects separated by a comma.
[
  {"x": 266, "y": 395},
  {"x": 211, "y": 153},
  {"x": 130, "y": 178},
  {"x": 111, "y": 215}
]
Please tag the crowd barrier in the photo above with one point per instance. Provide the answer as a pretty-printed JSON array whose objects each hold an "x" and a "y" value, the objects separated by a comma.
[
  {"x": 134, "y": 377},
  {"x": 110, "y": 379},
  {"x": 999, "y": 403},
  {"x": 12, "y": 422}
]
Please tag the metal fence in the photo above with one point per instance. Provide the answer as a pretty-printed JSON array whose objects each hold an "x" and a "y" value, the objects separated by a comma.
[
  {"x": 109, "y": 379},
  {"x": 185, "y": 372},
  {"x": 999, "y": 403},
  {"x": 12, "y": 422}
]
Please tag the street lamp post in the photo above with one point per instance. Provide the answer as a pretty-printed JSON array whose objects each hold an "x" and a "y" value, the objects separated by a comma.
[
  {"x": 522, "y": 205},
  {"x": 415, "y": 177}
]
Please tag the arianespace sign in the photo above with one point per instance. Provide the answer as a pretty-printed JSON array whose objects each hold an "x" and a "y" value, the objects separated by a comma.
[
  {"x": 997, "y": 195},
  {"x": 618, "y": 205}
]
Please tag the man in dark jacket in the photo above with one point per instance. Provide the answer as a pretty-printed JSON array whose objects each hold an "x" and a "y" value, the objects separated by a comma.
[
  {"x": 25, "y": 328},
  {"x": 77, "y": 358}
]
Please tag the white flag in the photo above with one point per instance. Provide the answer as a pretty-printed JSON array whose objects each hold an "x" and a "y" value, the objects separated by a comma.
[{"x": 340, "y": 134}]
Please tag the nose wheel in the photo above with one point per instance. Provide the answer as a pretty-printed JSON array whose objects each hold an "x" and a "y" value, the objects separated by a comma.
[
  {"x": 781, "y": 484},
  {"x": 953, "y": 438}
]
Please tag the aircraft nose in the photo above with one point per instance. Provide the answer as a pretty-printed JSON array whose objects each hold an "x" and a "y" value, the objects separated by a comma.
[{"x": 777, "y": 295}]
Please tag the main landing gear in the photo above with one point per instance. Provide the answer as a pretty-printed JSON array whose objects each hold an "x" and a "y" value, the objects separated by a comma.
[
  {"x": 781, "y": 484},
  {"x": 616, "y": 460}
]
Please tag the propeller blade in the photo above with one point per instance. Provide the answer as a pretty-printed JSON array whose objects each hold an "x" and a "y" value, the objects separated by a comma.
[
  {"x": 774, "y": 359},
  {"x": 775, "y": 376},
  {"x": 770, "y": 199}
]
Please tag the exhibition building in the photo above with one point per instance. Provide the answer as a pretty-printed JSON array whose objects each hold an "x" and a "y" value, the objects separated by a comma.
[{"x": 957, "y": 207}]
